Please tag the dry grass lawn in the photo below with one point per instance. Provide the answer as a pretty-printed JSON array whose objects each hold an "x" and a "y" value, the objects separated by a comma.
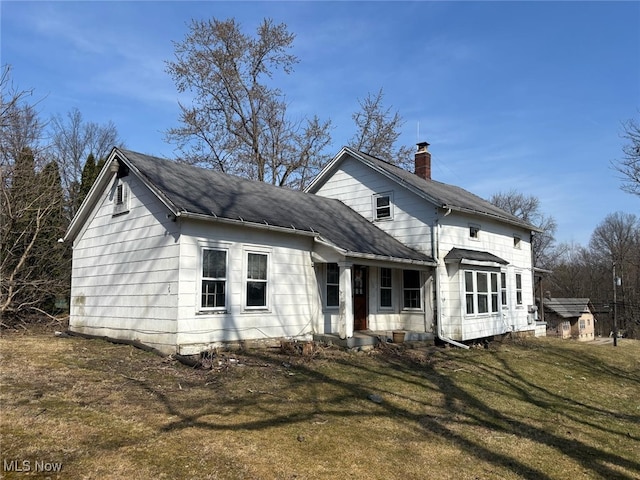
[{"x": 535, "y": 409}]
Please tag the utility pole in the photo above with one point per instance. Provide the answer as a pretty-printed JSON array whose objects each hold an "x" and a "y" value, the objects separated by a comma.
[{"x": 615, "y": 306}]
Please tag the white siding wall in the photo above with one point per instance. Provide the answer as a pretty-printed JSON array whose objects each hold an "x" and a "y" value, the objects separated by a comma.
[
  {"x": 292, "y": 291},
  {"x": 498, "y": 239},
  {"x": 413, "y": 217},
  {"x": 124, "y": 281}
]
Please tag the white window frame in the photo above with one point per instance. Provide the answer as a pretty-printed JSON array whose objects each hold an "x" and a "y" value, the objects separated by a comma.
[
  {"x": 388, "y": 288},
  {"x": 267, "y": 281},
  {"x": 412, "y": 289},
  {"x": 518, "y": 289},
  {"x": 474, "y": 231},
  {"x": 471, "y": 292},
  {"x": 332, "y": 285},
  {"x": 376, "y": 208},
  {"x": 216, "y": 309},
  {"x": 504, "y": 292}
]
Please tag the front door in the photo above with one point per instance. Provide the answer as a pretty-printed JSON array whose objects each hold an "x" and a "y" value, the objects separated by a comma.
[{"x": 359, "y": 297}]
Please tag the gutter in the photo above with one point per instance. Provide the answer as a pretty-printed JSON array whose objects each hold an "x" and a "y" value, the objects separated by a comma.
[
  {"x": 241, "y": 221},
  {"x": 435, "y": 240},
  {"x": 373, "y": 256}
]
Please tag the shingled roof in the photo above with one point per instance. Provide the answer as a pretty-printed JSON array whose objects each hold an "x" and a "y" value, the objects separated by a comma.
[
  {"x": 440, "y": 194},
  {"x": 189, "y": 190},
  {"x": 567, "y": 307}
]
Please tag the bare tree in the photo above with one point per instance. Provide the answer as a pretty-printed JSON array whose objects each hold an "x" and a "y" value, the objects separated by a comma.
[
  {"x": 238, "y": 121},
  {"x": 73, "y": 140},
  {"x": 528, "y": 209},
  {"x": 617, "y": 240},
  {"x": 32, "y": 268},
  {"x": 378, "y": 129},
  {"x": 629, "y": 165}
]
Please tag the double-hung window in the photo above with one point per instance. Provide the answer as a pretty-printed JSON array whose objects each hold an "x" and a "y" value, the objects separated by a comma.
[
  {"x": 257, "y": 280},
  {"x": 518, "y": 289},
  {"x": 214, "y": 279},
  {"x": 385, "y": 288},
  {"x": 481, "y": 291},
  {"x": 411, "y": 289},
  {"x": 382, "y": 206},
  {"x": 333, "y": 285},
  {"x": 503, "y": 290}
]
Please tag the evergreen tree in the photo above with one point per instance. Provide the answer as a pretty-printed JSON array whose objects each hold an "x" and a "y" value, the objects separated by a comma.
[{"x": 89, "y": 174}]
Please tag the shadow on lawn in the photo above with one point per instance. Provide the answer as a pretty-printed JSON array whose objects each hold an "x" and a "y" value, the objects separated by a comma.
[{"x": 461, "y": 408}]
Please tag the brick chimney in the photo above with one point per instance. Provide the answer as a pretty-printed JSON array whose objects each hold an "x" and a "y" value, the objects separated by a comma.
[{"x": 423, "y": 161}]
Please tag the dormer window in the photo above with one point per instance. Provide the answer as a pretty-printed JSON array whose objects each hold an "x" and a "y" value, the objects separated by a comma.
[{"x": 382, "y": 206}]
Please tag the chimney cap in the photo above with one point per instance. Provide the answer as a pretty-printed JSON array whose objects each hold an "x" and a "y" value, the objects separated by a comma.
[{"x": 422, "y": 145}]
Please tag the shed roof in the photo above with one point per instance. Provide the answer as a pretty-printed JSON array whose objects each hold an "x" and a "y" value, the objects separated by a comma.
[
  {"x": 192, "y": 190},
  {"x": 463, "y": 254},
  {"x": 567, "y": 307},
  {"x": 440, "y": 194}
]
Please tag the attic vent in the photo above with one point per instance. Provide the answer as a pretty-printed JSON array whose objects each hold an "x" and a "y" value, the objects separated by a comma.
[{"x": 120, "y": 198}]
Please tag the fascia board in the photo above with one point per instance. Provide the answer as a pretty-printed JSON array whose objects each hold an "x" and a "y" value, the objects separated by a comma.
[
  {"x": 86, "y": 207},
  {"x": 321, "y": 178}
]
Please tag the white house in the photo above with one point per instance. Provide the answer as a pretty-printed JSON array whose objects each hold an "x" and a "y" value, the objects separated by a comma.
[{"x": 183, "y": 259}]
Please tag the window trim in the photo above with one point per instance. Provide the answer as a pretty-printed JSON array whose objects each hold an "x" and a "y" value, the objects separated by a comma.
[
  {"x": 413, "y": 289},
  {"x": 245, "y": 281},
  {"x": 334, "y": 285},
  {"x": 375, "y": 207},
  {"x": 517, "y": 242},
  {"x": 504, "y": 291},
  {"x": 386, "y": 288},
  {"x": 474, "y": 231},
  {"x": 519, "y": 290},
  {"x": 219, "y": 309},
  {"x": 492, "y": 295}
]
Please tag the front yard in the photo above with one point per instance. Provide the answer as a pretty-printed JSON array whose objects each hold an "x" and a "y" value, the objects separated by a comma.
[{"x": 529, "y": 409}]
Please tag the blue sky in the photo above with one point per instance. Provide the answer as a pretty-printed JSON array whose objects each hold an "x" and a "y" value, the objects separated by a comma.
[{"x": 510, "y": 95}]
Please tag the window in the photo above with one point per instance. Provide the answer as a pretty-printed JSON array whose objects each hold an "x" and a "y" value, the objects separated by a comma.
[
  {"x": 214, "y": 279},
  {"x": 411, "y": 289},
  {"x": 120, "y": 199},
  {"x": 385, "y": 288},
  {"x": 481, "y": 292},
  {"x": 256, "y": 280},
  {"x": 474, "y": 231},
  {"x": 503, "y": 290},
  {"x": 382, "y": 206},
  {"x": 333, "y": 285},
  {"x": 582, "y": 324},
  {"x": 518, "y": 289},
  {"x": 516, "y": 241}
]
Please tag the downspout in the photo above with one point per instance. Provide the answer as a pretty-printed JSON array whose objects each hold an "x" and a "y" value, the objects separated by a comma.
[{"x": 435, "y": 240}]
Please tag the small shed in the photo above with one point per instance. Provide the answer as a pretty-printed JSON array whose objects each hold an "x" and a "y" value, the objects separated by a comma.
[{"x": 569, "y": 318}]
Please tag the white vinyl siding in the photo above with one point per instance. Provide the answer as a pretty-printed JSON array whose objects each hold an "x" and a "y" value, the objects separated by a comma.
[{"x": 124, "y": 283}]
